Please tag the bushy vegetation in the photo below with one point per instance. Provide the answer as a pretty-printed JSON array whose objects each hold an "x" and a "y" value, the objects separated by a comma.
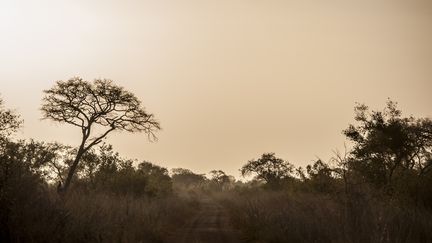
[
  {"x": 114, "y": 201},
  {"x": 111, "y": 199},
  {"x": 379, "y": 190},
  {"x": 280, "y": 216}
]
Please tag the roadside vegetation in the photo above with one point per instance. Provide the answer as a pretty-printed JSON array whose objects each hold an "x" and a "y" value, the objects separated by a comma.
[{"x": 379, "y": 190}]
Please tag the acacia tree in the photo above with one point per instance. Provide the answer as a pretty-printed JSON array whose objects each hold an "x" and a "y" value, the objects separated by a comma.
[
  {"x": 99, "y": 104},
  {"x": 268, "y": 168}
]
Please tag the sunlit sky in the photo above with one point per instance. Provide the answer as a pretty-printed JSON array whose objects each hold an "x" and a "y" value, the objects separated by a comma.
[{"x": 227, "y": 79}]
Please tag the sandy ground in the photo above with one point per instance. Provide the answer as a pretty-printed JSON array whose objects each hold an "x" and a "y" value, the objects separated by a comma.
[{"x": 210, "y": 225}]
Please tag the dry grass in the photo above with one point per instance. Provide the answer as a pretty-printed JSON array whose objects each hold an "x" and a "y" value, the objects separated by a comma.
[
  {"x": 82, "y": 217},
  {"x": 264, "y": 216}
]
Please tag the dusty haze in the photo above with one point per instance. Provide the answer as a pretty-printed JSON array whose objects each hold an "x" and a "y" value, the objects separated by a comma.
[{"x": 227, "y": 79}]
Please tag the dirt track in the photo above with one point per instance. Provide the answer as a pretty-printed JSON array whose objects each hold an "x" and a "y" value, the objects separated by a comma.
[{"x": 210, "y": 225}]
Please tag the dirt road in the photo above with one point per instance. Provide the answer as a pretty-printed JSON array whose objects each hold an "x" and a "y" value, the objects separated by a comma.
[{"x": 210, "y": 225}]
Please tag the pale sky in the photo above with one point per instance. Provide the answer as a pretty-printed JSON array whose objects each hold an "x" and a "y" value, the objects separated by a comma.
[{"x": 227, "y": 79}]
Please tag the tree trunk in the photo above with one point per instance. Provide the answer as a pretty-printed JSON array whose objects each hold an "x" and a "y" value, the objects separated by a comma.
[
  {"x": 82, "y": 149},
  {"x": 73, "y": 168}
]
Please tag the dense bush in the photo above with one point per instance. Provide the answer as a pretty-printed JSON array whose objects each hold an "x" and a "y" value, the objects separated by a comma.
[
  {"x": 380, "y": 191},
  {"x": 128, "y": 205},
  {"x": 270, "y": 216}
]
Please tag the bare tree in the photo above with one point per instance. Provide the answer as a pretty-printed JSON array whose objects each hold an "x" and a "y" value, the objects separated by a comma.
[{"x": 88, "y": 105}]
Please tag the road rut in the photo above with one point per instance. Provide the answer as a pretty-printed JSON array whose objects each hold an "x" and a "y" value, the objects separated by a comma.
[{"x": 210, "y": 225}]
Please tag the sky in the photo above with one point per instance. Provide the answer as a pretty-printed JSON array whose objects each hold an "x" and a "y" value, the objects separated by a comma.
[{"x": 227, "y": 79}]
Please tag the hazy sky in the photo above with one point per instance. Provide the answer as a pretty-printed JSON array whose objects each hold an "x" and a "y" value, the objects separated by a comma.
[{"x": 227, "y": 79}]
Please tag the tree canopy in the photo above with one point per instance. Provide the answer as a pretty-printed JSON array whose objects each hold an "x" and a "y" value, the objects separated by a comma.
[
  {"x": 100, "y": 103},
  {"x": 386, "y": 143},
  {"x": 9, "y": 121},
  {"x": 186, "y": 178},
  {"x": 268, "y": 168}
]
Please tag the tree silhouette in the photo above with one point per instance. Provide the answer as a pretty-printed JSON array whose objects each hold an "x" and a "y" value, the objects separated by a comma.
[
  {"x": 100, "y": 103},
  {"x": 187, "y": 178},
  {"x": 218, "y": 176},
  {"x": 268, "y": 168},
  {"x": 9, "y": 121},
  {"x": 385, "y": 143},
  {"x": 321, "y": 176},
  {"x": 221, "y": 180},
  {"x": 158, "y": 180}
]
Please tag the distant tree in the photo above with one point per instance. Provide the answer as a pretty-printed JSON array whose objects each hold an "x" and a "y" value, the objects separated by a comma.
[
  {"x": 218, "y": 176},
  {"x": 121, "y": 177},
  {"x": 268, "y": 168},
  {"x": 320, "y": 176},
  {"x": 186, "y": 178},
  {"x": 387, "y": 144},
  {"x": 88, "y": 105},
  {"x": 221, "y": 179},
  {"x": 158, "y": 180},
  {"x": 9, "y": 121},
  {"x": 148, "y": 168},
  {"x": 319, "y": 169}
]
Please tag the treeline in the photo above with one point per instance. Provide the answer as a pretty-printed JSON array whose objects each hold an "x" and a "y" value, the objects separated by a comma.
[
  {"x": 112, "y": 199},
  {"x": 51, "y": 192},
  {"x": 378, "y": 191}
]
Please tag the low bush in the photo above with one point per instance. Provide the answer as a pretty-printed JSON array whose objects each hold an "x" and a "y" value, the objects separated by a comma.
[{"x": 286, "y": 217}]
